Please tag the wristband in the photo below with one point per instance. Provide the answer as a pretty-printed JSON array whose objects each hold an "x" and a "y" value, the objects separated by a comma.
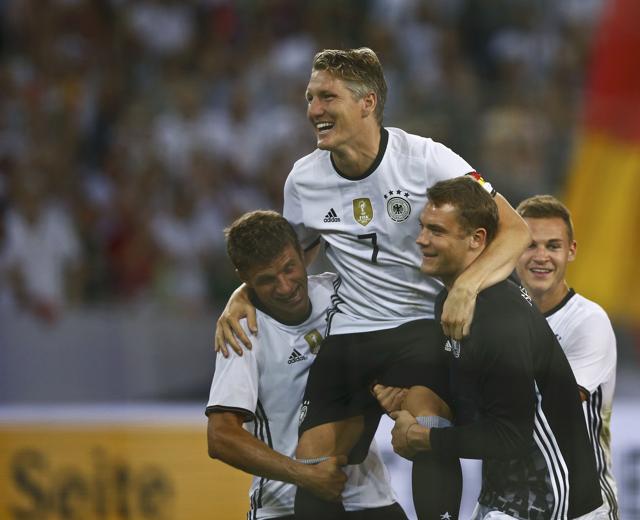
[
  {"x": 433, "y": 421},
  {"x": 312, "y": 462}
]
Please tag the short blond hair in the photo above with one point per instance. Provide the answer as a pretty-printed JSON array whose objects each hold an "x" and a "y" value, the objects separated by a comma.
[
  {"x": 546, "y": 206},
  {"x": 361, "y": 71}
]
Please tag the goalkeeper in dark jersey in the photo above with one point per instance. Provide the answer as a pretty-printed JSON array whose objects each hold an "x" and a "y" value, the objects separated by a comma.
[{"x": 515, "y": 397}]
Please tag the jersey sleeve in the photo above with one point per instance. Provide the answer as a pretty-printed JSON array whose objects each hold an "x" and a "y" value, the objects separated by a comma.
[
  {"x": 591, "y": 350},
  {"x": 445, "y": 164},
  {"x": 506, "y": 404},
  {"x": 235, "y": 384},
  {"x": 293, "y": 212}
]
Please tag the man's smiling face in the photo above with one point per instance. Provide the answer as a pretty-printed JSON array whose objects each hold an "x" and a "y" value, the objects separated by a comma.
[
  {"x": 542, "y": 267},
  {"x": 336, "y": 115}
]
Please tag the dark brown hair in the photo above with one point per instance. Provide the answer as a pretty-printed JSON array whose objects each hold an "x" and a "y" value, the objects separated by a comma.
[
  {"x": 257, "y": 238},
  {"x": 476, "y": 208},
  {"x": 361, "y": 71},
  {"x": 546, "y": 206}
]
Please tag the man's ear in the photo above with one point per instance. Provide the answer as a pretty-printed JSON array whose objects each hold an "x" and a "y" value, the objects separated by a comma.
[
  {"x": 369, "y": 104},
  {"x": 573, "y": 249},
  {"x": 478, "y": 239}
]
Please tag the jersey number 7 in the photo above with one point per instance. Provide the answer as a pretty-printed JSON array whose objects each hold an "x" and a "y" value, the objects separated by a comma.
[{"x": 374, "y": 242}]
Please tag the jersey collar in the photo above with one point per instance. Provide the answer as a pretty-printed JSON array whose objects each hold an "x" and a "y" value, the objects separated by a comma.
[
  {"x": 564, "y": 301},
  {"x": 384, "y": 139}
]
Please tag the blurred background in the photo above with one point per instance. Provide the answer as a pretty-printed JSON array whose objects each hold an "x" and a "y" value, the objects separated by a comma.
[{"x": 132, "y": 132}]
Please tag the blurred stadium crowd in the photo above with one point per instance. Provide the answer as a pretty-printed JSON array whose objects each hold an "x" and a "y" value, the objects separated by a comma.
[{"x": 132, "y": 132}]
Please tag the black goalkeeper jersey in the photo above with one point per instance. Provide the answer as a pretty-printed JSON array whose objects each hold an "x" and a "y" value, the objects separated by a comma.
[{"x": 518, "y": 409}]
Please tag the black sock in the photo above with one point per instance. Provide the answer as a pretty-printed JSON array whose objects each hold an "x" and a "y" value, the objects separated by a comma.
[
  {"x": 310, "y": 507},
  {"x": 437, "y": 487}
]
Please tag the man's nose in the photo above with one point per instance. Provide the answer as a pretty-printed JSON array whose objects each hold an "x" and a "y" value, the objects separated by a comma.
[
  {"x": 285, "y": 285},
  {"x": 540, "y": 254},
  {"x": 315, "y": 107},
  {"x": 423, "y": 238}
]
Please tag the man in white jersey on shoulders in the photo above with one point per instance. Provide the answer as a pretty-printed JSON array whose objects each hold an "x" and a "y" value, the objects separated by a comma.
[
  {"x": 255, "y": 400},
  {"x": 582, "y": 327},
  {"x": 360, "y": 193}
]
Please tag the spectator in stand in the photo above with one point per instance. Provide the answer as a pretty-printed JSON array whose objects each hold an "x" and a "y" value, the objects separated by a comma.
[{"x": 43, "y": 253}]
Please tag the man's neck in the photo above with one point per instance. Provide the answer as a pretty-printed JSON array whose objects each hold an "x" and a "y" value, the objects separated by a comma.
[
  {"x": 547, "y": 301},
  {"x": 450, "y": 280},
  {"x": 356, "y": 157}
]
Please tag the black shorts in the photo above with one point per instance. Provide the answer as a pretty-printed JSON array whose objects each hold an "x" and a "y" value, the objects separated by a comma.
[
  {"x": 340, "y": 379},
  {"x": 391, "y": 512}
]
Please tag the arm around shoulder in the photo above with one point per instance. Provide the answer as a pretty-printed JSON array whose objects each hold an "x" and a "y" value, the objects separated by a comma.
[
  {"x": 493, "y": 265},
  {"x": 499, "y": 259},
  {"x": 228, "y": 329},
  {"x": 229, "y": 442}
]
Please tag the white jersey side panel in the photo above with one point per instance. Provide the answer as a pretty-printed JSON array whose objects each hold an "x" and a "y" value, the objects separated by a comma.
[
  {"x": 369, "y": 226},
  {"x": 584, "y": 331},
  {"x": 267, "y": 383}
]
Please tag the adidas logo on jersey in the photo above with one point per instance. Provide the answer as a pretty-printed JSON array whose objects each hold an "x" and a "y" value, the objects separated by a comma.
[
  {"x": 525, "y": 295},
  {"x": 332, "y": 216},
  {"x": 295, "y": 357},
  {"x": 452, "y": 346}
]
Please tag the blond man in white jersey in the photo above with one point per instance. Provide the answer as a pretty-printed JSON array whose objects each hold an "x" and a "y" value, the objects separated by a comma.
[
  {"x": 361, "y": 193},
  {"x": 255, "y": 400},
  {"x": 582, "y": 327}
]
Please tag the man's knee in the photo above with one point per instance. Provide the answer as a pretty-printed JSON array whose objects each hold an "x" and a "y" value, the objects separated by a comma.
[
  {"x": 421, "y": 401},
  {"x": 326, "y": 440}
]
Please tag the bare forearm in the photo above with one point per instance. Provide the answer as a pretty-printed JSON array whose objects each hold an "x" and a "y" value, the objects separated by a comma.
[
  {"x": 499, "y": 259},
  {"x": 244, "y": 452}
]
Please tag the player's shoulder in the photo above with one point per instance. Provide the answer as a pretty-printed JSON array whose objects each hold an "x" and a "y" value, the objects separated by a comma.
[
  {"x": 503, "y": 306},
  {"x": 307, "y": 164},
  {"x": 506, "y": 293},
  {"x": 588, "y": 307},
  {"x": 233, "y": 359},
  {"x": 322, "y": 281},
  {"x": 582, "y": 312},
  {"x": 409, "y": 144}
]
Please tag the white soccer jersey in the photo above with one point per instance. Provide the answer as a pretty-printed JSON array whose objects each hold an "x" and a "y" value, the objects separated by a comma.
[
  {"x": 587, "y": 339},
  {"x": 267, "y": 383},
  {"x": 369, "y": 225}
]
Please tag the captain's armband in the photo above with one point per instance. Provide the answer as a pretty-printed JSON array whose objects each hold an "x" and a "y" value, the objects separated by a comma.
[{"x": 486, "y": 185}]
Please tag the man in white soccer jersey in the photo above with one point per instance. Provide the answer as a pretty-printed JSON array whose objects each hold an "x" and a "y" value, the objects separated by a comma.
[
  {"x": 581, "y": 326},
  {"x": 263, "y": 389},
  {"x": 517, "y": 403},
  {"x": 361, "y": 192}
]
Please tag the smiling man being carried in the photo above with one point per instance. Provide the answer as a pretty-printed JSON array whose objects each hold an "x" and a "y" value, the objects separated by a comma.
[{"x": 359, "y": 193}]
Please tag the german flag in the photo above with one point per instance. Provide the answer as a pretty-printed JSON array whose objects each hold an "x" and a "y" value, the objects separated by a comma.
[{"x": 603, "y": 189}]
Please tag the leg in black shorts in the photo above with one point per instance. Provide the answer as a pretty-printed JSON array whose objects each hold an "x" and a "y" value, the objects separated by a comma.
[
  {"x": 340, "y": 380},
  {"x": 339, "y": 387}
]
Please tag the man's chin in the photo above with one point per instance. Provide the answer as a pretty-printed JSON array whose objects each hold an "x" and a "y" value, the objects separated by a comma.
[
  {"x": 323, "y": 144},
  {"x": 537, "y": 289},
  {"x": 428, "y": 270}
]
